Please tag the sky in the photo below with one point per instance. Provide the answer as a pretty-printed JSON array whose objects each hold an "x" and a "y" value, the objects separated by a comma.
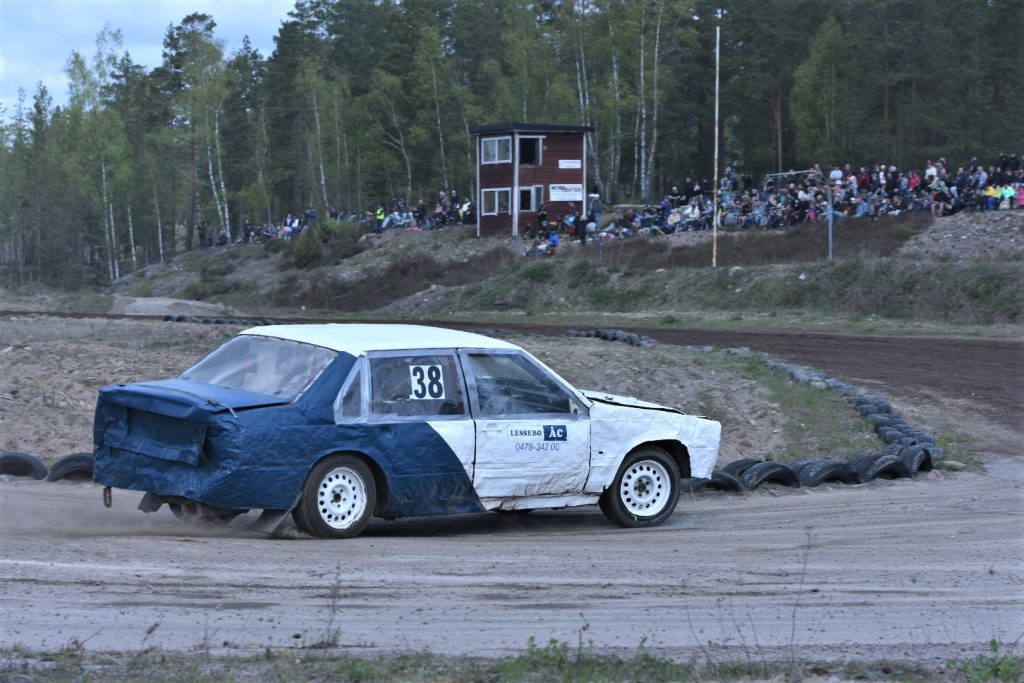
[{"x": 37, "y": 36}]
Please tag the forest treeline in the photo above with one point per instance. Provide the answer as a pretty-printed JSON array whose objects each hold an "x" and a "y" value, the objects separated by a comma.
[{"x": 363, "y": 100}]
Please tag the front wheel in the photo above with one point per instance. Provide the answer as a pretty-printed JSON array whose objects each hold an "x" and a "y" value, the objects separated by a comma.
[
  {"x": 338, "y": 498},
  {"x": 645, "y": 490}
]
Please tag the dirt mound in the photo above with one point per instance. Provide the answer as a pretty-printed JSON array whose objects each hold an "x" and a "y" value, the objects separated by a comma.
[{"x": 977, "y": 236}]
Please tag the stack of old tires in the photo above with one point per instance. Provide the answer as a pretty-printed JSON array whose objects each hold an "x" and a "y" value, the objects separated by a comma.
[
  {"x": 74, "y": 467},
  {"x": 746, "y": 474}
]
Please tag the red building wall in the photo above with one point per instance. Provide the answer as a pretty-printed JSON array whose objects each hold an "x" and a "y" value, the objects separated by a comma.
[{"x": 556, "y": 147}]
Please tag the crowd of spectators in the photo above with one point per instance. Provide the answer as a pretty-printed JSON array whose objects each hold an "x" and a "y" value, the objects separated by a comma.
[{"x": 802, "y": 196}]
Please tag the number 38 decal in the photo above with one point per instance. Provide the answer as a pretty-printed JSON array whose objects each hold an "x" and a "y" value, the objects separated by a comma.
[{"x": 427, "y": 382}]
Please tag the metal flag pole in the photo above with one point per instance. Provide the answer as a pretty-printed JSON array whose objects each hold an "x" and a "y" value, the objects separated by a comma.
[{"x": 714, "y": 231}]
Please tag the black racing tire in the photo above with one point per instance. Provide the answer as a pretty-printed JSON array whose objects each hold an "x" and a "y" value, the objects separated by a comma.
[
  {"x": 867, "y": 409},
  {"x": 74, "y": 467},
  {"x": 917, "y": 459},
  {"x": 513, "y": 513},
  {"x": 338, "y": 498},
  {"x": 723, "y": 481},
  {"x": 18, "y": 464},
  {"x": 645, "y": 491},
  {"x": 737, "y": 467},
  {"x": 769, "y": 472},
  {"x": 827, "y": 470}
]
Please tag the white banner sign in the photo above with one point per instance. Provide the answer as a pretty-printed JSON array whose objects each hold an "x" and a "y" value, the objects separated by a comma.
[
  {"x": 570, "y": 163},
  {"x": 565, "y": 193}
]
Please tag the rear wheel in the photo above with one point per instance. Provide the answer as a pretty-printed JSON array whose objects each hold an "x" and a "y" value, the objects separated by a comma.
[
  {"x": 645, "y": 491},
  {"x": 338, "y": 498}
]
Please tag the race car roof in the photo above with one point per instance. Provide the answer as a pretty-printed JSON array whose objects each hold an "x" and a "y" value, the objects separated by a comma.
[{"x": 357, "y": 339}]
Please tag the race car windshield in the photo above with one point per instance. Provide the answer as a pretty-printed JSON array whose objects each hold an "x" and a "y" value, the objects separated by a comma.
[{"x": 263, "y": 365}]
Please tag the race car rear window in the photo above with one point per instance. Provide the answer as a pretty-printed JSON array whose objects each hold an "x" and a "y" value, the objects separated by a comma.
[{"x": 264, "y": 365}]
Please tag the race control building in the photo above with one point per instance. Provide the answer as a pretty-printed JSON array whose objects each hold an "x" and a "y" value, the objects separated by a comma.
[{"x": 523, "y": 165}]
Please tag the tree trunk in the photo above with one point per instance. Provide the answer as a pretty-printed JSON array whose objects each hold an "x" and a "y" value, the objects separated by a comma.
[
  {"x": 213, "y": 183},
  {"x": 131, "y": 237},
  {"x": 319, "y": 148},
  {"x": 440, "y": 130},
  {"x": 108, "y": 231},
  {"x": 220, "y": 172}
]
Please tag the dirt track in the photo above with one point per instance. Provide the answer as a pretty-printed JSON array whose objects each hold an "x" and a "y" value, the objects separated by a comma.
[{"x": 922, "y": 570}]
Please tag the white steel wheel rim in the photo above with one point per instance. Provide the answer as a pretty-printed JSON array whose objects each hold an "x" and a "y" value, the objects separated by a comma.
[
  {"x": 341, "y": 498},
  {"x": 645, "y": 488}
]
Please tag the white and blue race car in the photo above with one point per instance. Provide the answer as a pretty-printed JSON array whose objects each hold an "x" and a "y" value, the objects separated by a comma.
[{"x": 339, "y": 423}]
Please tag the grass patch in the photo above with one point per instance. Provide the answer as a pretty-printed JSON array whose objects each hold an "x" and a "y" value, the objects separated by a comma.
[
  {"x": 405, "y": 276},
  {"x": 995, "y": 666},
  {"x": 815, "y": 422},
  {"x": 554, "y": 661}
]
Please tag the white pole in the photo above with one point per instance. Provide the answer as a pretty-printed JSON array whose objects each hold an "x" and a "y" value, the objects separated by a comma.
[{"x": 714, "y": 232}]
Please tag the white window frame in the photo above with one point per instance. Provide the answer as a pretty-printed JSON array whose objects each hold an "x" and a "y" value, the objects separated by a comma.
[
  {"x": 495, "y": 190},
  {"x": 536, "y": 197},
  {"x": 540, "y": 149},
  {"x": 496, "y": 144}
]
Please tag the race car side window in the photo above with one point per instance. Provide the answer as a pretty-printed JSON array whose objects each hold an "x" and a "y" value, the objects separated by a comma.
[
  {"x": 416, "y": 384},
  {"x": 509, "y": 384},
  {"x": 349, "y": 403}
]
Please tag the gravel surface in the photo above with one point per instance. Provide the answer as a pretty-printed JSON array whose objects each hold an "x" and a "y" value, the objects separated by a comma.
[{"x": 923, "y": 570}]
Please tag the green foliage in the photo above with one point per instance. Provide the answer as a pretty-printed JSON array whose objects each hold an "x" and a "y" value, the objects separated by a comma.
[
  {"x": 307, "y": 250},
  {"x": 994, "y": 667},
  {"x": 362, "y": 101},
  {"x": 538, "y": 271}
]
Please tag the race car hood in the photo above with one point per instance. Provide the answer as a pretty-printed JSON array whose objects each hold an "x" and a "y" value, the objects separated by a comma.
[{"x": 627, "y": 401}]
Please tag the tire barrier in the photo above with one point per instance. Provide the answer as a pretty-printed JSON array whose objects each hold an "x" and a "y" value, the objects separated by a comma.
[
  {"x": 217, "y": 321},
  {"x": 18, "y": 464},
  {"x": 908, "y": 450},
  {"x": 74, "y": 467},
  {"x": 614, "y": 335}
]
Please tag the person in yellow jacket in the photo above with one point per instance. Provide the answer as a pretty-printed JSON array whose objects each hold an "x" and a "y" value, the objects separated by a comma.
[
  {"x": 381, "y": 214},
  {"x": 992, "y": 197}
]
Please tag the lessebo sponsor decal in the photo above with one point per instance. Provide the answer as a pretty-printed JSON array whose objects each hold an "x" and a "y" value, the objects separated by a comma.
[{"x": 546, "y": 432}]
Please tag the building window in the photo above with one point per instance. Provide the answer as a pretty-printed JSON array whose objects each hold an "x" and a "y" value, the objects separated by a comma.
[
  {"x": 531, "y": 197},
  {"x": 497, "y": 150},
  {"x": 497, "y": 201},
  {"x": 530, "y": 151}
]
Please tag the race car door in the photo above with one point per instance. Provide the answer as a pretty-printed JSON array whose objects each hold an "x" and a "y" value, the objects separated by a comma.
[{"x": 532, "y": 432}]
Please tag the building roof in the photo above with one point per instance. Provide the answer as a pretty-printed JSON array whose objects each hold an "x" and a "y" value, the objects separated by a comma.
[
  {"x": 357, "y": 339},
  {"x": 529, "y": 128}
]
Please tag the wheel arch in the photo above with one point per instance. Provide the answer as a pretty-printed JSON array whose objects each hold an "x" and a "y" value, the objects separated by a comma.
[
  {"x": 674, "y": 448},
  {"x": 380, "y": 479}
]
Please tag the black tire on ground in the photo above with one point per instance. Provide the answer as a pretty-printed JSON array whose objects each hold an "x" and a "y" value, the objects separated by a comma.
[
  {"x": 18, "y": 464},
  {"x": 737, "y": 467},
  {"x": 869, "y": 468},
  {"x": 861, "y": 466},
  {"x": 723, "y": 481},
  {"x": 801, "y": 463},
  {"x": 74, "y": 467},
  {"x": 867, "y": 409},
  {"x": 338, "y": 498},
  {"x": 645, "y": 491},
  {"x": 894, "y": 448},
  {"x": 769, "y": 472},
  {"x": 827, "y": 470},
  {"x": 513, "y": 513},
  {"x": 917, "y": 459}
]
